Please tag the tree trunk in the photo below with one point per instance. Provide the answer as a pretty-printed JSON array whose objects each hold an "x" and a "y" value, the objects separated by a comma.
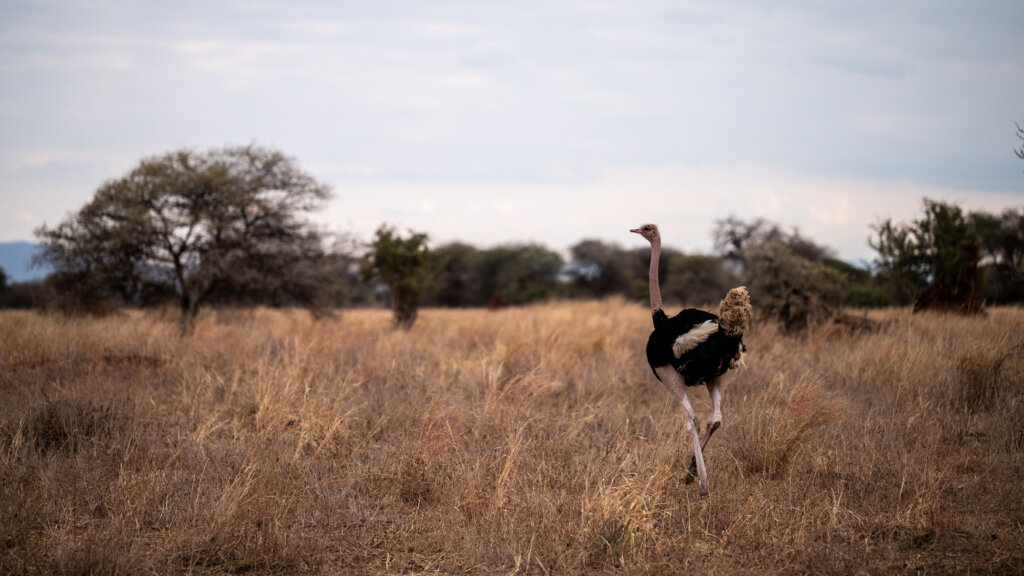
[
  {"x": 189, "y": 312},
  {"x": 405, "y": 307}
]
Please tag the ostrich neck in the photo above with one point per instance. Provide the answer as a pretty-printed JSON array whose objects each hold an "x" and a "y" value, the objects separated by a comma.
[{"x": 652, "y": 279}]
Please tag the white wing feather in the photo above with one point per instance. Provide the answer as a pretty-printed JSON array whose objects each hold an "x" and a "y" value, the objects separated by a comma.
[{"x": 688, "y": 341}]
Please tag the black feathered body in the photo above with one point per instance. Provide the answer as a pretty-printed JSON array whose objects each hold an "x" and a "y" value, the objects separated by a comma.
[{"x": 709, "y": 359}]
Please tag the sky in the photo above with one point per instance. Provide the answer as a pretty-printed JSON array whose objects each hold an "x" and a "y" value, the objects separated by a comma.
[{"x": 491, "y": 122}]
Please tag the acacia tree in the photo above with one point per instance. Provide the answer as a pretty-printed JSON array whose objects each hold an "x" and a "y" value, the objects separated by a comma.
[
  {"x": 599, "y": 269},
  {"x": 454, "y": 275},
  {"x": 935, "y": 258},
  {"x": 518, "y": 273},
  {"x": 900, "y": 266},
  {"x": 1002, "y": 245},
  {"x": 698, "y": 279},
  {"x": 789, "y": 275},
  {"x": 405, "y": 265},
  {"x": 190, "y": 224}
]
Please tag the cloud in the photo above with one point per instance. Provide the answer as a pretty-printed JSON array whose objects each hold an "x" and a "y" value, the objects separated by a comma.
[
  {"x": 20, "y": 159},
  {"x": 28, "y": 217},
  {"x": 833, "y": 210},
  {"x": 549, "y": 122}
]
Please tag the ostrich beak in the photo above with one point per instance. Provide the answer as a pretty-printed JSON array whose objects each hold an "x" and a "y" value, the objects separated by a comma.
[{"x": 634, "y": 230}]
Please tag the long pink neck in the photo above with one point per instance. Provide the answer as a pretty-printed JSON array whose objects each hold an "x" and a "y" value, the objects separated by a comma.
[{"x": 652, "y": 278}]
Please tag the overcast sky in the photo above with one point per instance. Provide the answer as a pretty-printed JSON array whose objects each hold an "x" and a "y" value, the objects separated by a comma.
[{"x": 547, "y": 121}]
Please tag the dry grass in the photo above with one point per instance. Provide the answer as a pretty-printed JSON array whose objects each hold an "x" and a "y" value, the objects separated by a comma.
[
  {"x": 782, "y": 418},
  {"x": 530, "y": 441}
]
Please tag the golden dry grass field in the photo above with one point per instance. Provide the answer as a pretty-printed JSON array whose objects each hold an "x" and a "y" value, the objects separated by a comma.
[{"x": 520, "y": 441}]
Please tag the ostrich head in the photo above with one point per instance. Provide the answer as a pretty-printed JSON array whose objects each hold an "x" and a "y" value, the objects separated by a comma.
[{"x": 649, "y": 231}]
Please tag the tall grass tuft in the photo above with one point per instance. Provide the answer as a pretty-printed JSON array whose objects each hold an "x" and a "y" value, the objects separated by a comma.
[
  {"x": 68, "y": 424},
  {"x": 980, "y": 366},
  {"x": 620, "y": 517},
  {"x": 782, "y": 419}
]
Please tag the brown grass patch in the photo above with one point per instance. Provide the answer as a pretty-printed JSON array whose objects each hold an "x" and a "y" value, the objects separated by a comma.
[
  {"x": 620, "y": 519},
  {"x": 522, "y": 440},
  {"x": 981, "y": 366},
  {"x": 67, "y": 424},
  {"x": 782, "y": 420}
]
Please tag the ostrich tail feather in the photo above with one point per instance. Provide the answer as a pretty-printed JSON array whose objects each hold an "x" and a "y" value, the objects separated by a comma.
[
  {"x": 734, "y": 312},
  {"x": 693, "y": 338}
]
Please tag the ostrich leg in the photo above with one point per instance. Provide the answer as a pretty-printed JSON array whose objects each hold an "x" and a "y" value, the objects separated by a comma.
[
  {"x": 674, "y": 382},
  {"x": 713, "y": 423}
]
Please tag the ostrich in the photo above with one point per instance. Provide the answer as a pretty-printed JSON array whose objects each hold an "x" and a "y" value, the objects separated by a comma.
[{"x": 693, "y": 348}]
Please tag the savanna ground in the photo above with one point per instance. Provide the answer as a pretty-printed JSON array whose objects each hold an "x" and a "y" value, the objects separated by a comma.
[{"x": 530, "y": 441}]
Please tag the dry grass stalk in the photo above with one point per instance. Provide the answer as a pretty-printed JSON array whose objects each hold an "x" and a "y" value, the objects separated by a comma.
[
  {"x": 980, "y": 366},
  {"x": 783, "y": 418},
  {"x": 620, "y": 518},
  {"x": 529, "y": 441}
]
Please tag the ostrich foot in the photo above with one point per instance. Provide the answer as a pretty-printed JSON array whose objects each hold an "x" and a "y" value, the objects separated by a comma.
[
  {"x": 702, "y": 488},
  {"x": 691, "y": 474}
]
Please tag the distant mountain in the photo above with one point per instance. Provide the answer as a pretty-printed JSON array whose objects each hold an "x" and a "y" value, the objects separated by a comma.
[{"x": 16, "y": 259}]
